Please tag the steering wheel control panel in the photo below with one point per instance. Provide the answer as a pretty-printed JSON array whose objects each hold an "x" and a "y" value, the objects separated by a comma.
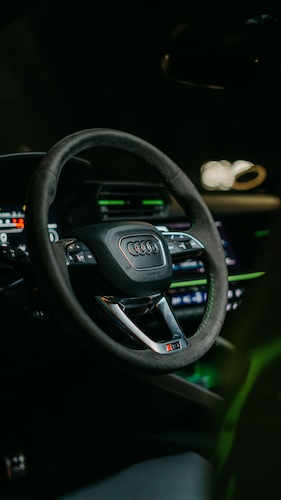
[
  {"x": 183, "y": 245},
  {"x": 78, "y": 254}
]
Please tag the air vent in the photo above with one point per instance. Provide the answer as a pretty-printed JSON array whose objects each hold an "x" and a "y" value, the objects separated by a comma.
[{"x": 132, "y": 201}]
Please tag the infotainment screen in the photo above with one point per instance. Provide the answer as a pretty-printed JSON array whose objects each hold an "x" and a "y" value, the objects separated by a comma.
[{"x": 12, "y": 219}]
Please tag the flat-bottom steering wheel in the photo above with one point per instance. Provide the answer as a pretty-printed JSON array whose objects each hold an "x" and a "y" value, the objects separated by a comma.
[{"x": 129, "y": 263}]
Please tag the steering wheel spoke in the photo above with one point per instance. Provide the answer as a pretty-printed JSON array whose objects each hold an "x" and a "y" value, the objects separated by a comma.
[{"x": 120, "y": 312}]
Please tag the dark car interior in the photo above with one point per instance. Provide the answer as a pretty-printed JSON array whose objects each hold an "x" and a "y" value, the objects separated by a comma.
[{"x": 139, "y": 256}]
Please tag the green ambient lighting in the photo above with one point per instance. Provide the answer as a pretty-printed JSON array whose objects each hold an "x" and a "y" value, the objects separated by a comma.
[
  {"x": 203, "y": 281},
  {"x": 260, "y": 358},
  {"x": 245, "y": 277},
  {"x": 204, "y": 375},
  {"x": 153, "y": 202},
  {"x": 105, "y": 203},
  {"x": 261, "y": 234}
]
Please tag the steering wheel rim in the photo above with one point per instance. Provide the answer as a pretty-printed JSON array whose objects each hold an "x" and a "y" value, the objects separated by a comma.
[{"x": 50, "y": 270}]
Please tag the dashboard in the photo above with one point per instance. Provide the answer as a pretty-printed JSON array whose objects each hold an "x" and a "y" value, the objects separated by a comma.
[
  {"x": 86, "y": 196},
  {"x": 12, "y": 223}
]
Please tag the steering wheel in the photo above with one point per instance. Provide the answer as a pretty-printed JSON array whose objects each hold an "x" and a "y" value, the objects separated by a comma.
[{"x": 128, "y": 263}]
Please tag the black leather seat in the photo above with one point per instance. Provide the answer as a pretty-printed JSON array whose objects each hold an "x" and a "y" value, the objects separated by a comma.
[{"x": 186, "y": 476}]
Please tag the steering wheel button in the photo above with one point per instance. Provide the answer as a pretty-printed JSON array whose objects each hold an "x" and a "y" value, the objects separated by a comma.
[
  {"x": 70, "y": 258},
  {"x": 169, "y": 236},
  {"x": 184, "y": 246},
  {"x": 173, "y": 248},
  {"x": 176, "y": 236},
  {"x": 79, "y": 258},
  {"x": 181, "y": 237},
  {"x": 89, "y": 258},
  {"x": 75, "y": 246},
  {"x": 195, "y": 245}
]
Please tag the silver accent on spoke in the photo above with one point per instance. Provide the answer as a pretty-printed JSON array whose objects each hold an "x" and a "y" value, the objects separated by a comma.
[{"x": 116, "y": 309}]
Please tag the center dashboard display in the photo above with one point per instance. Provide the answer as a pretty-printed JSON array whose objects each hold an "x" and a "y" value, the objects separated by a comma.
[{"x": 12, "y": 220}]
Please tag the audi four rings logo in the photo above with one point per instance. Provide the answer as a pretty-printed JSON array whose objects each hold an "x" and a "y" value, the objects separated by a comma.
[{"x": 142, "y": 247}]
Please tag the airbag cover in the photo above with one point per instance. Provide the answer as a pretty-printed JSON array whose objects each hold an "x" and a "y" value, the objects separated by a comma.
[{"x": 134, "y": 257}]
